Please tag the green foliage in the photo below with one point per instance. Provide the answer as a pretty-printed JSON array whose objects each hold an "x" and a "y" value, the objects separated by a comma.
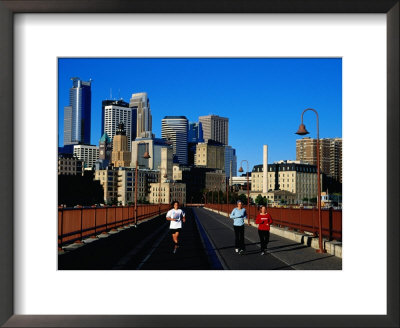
[
  {"x": 243, "y": 199},
  {"x": 260, "y": 200},
  {"x": 112, "y": 201}
]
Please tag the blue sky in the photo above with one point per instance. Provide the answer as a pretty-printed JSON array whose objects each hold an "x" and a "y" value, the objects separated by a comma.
[{"x": 262, "y": 97}]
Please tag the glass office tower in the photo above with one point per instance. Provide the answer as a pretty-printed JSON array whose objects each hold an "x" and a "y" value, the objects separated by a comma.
[{"x": 77, "y": 116}]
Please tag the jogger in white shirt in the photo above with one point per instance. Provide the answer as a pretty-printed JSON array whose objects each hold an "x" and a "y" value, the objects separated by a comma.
[{"x": 176, "y": 216}]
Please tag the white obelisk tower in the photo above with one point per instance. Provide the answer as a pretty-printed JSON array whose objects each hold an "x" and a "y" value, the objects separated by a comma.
[{"x": 265, "y": 169}]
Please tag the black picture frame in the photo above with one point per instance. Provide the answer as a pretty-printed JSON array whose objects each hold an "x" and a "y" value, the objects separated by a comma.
[{"x": 10, "y": 7}]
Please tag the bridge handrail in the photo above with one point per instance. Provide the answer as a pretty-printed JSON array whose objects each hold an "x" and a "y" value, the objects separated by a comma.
[
  {"x": 300, "y": 219},
  {"x": 76, "y": 224}
]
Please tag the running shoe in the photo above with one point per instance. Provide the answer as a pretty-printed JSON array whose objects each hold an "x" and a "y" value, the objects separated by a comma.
[
  {"x": 237, "y": 250},
  {"x": 241, "y": 252}
]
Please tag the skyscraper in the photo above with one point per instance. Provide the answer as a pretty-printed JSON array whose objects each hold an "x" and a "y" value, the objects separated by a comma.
[
  {"x": 175, "y": 130},
  {"x": 330, "y": 155},
  {"x": 210, "y": 154},
  {"x": 120, "y": 103},
  {"x": 140, "y": 103},
  {"x": 121, "y": 156},
  {"x": 114, "y": 115},
  {"x": 195, "y": 135},
  {"x": 215, "y": 128},
  {"x": 77, "y": 116},
  {"x": 230, "y": 161},
  {"x": 89, "y": 154}
]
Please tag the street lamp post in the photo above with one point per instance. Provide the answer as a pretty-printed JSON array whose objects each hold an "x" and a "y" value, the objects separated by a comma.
[
  {"x": 146, "y": 156},
  {"x": 227, "y": 196},
  {"x": 218, "y": 196},
  {"x": 303, "y": 131},
  {"x": 248, "y": 195},
  {"x": 165, "y": 176}
]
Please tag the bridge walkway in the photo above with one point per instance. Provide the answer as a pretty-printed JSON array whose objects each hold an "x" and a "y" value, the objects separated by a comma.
[
  {"x": 282, "y": 254},
  {"x": 207, "y": 242}
]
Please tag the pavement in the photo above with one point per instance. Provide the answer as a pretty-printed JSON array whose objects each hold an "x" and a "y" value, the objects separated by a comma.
[
  {"x": 282, "y": 253},
  {"x": 206, "y": 243}
]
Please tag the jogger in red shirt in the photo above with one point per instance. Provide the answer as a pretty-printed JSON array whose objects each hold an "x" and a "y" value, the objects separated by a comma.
[{"x": 263, "y": 220}]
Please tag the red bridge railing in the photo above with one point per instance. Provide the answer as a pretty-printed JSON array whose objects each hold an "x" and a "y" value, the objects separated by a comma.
[
  {"x": 76, "y": 224},
  {"x": 300, "y": 219}
]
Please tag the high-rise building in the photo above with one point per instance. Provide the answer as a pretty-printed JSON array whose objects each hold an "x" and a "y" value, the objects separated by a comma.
[
  {"x": 210, "y": 154},
  {"x": 230, "y": 162},
  {"x": 215, "y": 128},
  {"x": 77, "y": 116},
  {"x": 113, "y": 116},
  {"x": 121, "y": 156},
  {"x": 119, "y": 103},
  {"x": 195, "y": 135},
  {"x": 175, "y": 130},
  {"x": 330, "y": 155},
  {"x": 89, "y": 154},
  {"x": 154, "y": 148},
  {"x": 140, "y": 104}
]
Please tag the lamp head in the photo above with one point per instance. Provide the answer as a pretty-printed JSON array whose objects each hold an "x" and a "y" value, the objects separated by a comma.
[
  {"x": 146, "y": 155},
  {"x": 240, "y": 169},
  {"x": 302, "y": 130}
]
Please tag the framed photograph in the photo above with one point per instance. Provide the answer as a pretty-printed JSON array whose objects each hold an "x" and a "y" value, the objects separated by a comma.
[{"x": 35, "y": 35}]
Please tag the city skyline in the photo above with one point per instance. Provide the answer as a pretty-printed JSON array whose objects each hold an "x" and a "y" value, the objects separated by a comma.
[{"x": 243, "y": 90}]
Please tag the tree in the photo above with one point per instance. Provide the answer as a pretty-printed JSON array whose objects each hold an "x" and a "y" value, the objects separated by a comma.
[
  {"x": 112, "y": 201},
  {"x": 243, "y": 198},
  {"x": 313, "y": 200},
  {"x": 260, "y": 200},
  {"x": 305, "y": 199}
]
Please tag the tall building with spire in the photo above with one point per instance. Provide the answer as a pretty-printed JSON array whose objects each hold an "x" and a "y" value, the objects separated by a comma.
[
  {"x": 121, "y": 156},
  {"x": 175, "y": 130},
  {"x": 140, "y": 103},
  {"x": 105, "y": 147},
  {"x": 77, "y": 116}
]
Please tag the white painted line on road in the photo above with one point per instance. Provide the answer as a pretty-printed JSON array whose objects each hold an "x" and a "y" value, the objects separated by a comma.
[{"x": 124, "y": 260}]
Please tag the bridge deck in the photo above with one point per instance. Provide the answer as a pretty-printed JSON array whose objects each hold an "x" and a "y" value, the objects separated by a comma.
[
  {"x": 207, "y": 242},
  {"x": 283, "y": 254}
]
